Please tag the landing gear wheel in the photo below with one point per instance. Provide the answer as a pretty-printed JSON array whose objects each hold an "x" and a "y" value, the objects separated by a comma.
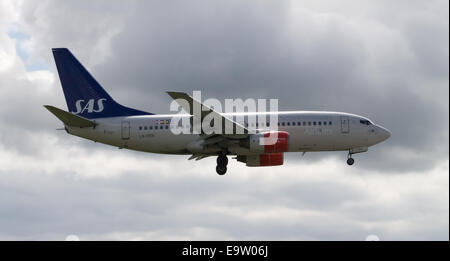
[
  {"x": 350, "y": 161},
  {"x": 221, "y": 170},
  {"x": 222, "y": 160}
]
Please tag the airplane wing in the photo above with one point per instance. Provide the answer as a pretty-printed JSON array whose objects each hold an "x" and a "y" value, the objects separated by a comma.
[
  {"x": 235, "y": 130},
  {"x": 70, "y": 119}
]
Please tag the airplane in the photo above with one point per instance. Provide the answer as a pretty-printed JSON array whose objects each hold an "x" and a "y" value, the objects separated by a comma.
[{"x": 93, "y": 114}]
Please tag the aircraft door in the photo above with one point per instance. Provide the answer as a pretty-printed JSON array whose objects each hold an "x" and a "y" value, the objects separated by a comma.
[
  {"x": 125, "y": 130},
  {"x": 344, "y": 124}
]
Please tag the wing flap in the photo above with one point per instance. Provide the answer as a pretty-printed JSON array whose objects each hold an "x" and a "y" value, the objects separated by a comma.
[{"x": 199, "y": 156}]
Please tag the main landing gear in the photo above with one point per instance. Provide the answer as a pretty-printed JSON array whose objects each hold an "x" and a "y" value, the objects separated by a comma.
[
  {"x": 350, "y": 160},
  {"x": 222, "y": 162}
]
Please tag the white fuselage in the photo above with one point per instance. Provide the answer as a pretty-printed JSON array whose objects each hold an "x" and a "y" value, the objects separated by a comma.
[{"x": 308, "y": 131}]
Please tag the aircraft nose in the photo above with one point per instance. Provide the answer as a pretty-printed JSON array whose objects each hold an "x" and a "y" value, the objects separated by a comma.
[{"x": 384, "y": 133}]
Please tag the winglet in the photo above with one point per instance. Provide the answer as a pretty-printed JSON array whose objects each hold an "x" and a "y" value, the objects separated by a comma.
[{"x": 70, "y": 119}]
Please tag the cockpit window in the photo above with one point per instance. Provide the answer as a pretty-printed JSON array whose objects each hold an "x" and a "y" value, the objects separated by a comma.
[{"x": 365, "y": 122}]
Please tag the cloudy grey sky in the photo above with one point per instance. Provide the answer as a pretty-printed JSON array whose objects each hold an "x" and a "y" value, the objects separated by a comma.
[{"x": 387, "y": 60}]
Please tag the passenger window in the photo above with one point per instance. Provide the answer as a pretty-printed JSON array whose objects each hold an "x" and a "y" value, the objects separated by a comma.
[
  {"x": 288, "y": 123},
  {"x": 329, "y": 123},
  {"x": 167, "y": 126},
  {"x": 324, "y": 123},
  {"x": 161, "y": 127},
  {"x": 282, "y": 123},
  {"x": 267, "y": 124},
  {"x": 293, "y": 123},
  {"x": 314, "y": 123},
  {"x": 140, "y": 127},
  {"x": 320, "y": 123},
  {"x": 145, "y": 127},
  {"x": 150, "y": 127},
  {"x": 309, "y": 123}
]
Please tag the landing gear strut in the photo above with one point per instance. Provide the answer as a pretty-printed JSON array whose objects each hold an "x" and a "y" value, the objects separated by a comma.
[
  {"x": 222, "y": 162},
  {"x": 350, "y": 160}
]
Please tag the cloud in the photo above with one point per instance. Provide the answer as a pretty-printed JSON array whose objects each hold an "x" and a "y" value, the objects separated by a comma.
[
  {"x": 149, "y": 198},
  {"x": 366, "y": 58}
]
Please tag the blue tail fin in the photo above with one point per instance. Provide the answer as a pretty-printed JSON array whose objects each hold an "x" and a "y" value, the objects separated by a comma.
[{"x": 84, "y": 95}]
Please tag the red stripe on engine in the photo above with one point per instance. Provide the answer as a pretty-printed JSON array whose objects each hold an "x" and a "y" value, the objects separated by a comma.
[
  {"x": 281, "y": 144},
  {"x": 272, "y": 159}
]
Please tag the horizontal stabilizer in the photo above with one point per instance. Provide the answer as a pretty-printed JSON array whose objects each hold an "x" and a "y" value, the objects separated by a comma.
[{"x": 70, "y": 119}]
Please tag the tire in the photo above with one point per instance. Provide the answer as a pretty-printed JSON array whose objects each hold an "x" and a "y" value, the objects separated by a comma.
[
  {"x": 350, "y": 161},
  {"x": 221, "y": 170},
  {"x": 222, "y": 160}
]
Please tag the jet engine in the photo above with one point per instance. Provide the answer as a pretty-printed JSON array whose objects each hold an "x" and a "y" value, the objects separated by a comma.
[
  {"x": 269, "y": 142},
  {"x": 262, "y": 160}
]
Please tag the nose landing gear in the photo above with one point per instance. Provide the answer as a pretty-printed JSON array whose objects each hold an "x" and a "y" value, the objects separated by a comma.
[
  {"x": 222, "y": 162},
  {"x": 350, "y": 160}
]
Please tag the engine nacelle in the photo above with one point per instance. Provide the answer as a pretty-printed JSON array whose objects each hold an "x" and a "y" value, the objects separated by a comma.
[
  {"x": 262, "y": 160},
  {"x": 272, "y": 142}
]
